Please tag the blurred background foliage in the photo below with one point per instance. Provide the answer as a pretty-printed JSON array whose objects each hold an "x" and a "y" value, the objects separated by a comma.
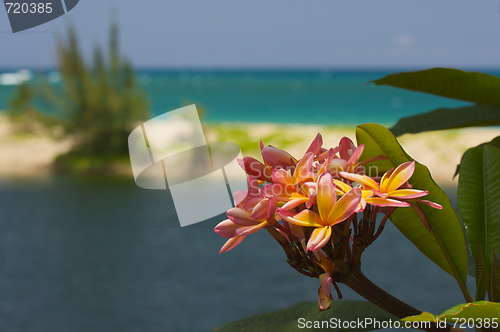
[{"x": 98, "y": 104}]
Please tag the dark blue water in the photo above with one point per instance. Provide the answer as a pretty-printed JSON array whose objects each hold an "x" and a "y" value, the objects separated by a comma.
[
  {"x": 329, "y": 97},
  {"x": 93, "y": 254}
]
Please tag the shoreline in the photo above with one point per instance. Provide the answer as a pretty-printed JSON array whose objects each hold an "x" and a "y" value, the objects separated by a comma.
[
  {"x": 441, "y": 151},
  {"x": 27, "y": 155}
]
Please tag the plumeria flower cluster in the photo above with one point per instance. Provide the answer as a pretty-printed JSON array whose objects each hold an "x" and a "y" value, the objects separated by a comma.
[{"x": 321, "y": 208}]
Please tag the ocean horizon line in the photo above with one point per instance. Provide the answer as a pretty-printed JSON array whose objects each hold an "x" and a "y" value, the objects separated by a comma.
[{"x": 269, "y": 69}]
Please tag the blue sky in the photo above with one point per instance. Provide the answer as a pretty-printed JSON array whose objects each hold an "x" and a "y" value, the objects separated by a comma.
[{"x": 283, "y": 34}]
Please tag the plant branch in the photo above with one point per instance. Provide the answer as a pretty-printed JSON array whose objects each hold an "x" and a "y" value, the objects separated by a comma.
[{"x": 359, "y": 283}]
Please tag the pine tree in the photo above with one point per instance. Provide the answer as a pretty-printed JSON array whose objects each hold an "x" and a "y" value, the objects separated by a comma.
[{"x": 98, "y": 104}]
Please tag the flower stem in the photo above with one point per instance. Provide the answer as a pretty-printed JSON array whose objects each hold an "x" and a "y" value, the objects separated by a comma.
[{"x": 381, "y": 226}]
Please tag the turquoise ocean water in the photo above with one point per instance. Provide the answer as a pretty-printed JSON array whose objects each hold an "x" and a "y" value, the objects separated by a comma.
[{"x": 327, "y": 97}]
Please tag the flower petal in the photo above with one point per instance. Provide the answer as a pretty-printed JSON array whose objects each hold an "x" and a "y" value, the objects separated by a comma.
[
  {"x": 280, "y": 192},
  {"x": 366, "y": 193},
  {"x": 363, "y": 179},
  {"x": 231, "y": 243},
  {"x": 325, "y": 281},
  {"x": 325, "y": 195},
  {"x": 384, "y": 181},
  {"x": 400, "y": 175},
  {"x": 240, "y": 217},
  {"x": 345, "y": 207},
  {"x": 239, "y": 196},
  {"x": 341, "y": 187},
  {"x": 316, "y": 144},
  {"x": 347, "y": 148},
  {"x": 331, "y": 155},
  {"x": 336, "y": 166},
  {"x": 324, "y": 300},
  {"x": 319, "y": 238},
  {"x": 302, "y": 168},
  {"x": 295, "y": 202},
  {"x": 277, "y": 157},
  {"x": 429, "y": 203},
  {"x": 281, "y": 176},
  {"x": 271, "y": 208},
  {"x": 408, "y": 193},
  {"x": 256, "y": 169},
  {"x": 247, "y": 230},
  {"x": 238, "y": 213},
  {"x": 379, "y": 201},
  {"x": 306, "y": 218},
  {"x": 361, "y": 206},
  {"x": 259, "y": 212},
  {"x": 251, "y": 201},
  {"x": 253, "y": 186},
  {"x": 226, "y": 229},
  {"x": 353, "y": 160},
  {"x": 312, "y": 198}
]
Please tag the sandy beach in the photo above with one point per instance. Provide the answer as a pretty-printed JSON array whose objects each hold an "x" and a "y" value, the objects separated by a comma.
[
  {"x": 27, "y": 155},
  {"x": 33, "y": 155},
  {"x": 440, "y": 151}
]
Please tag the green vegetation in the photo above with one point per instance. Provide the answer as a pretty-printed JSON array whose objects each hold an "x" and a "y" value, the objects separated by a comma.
[
  {"x": 97, "y": 104},
  {"x": 249, "y": 144},
  {"x": 478, "y": 195},
  {"x": 305, "y": 316}
]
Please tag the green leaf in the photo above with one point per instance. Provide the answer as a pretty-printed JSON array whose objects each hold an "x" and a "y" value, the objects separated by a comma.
[
  {"x": 494, "y": 142},
  {"x": 451, "y": 83},
  {"x": 289, "y": 319},
  {"x": 478, "y": 199},
  {"x": 448, "y": 118},
  {"x": 495, "y": 280},
  {"x": 445, "y": 246},
  {"x": 476, "y": 310},
  {"x": 482, "y": 275}
]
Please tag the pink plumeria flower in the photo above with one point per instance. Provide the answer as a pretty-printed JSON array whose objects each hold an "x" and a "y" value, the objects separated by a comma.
[
  {"x": 256, "y": 169},
  {"x": 251, "y": 213},
  {"x": 331, "y": 212},
  {"x": 347, "y": 148},
  {"x": 349, "y": 158},
  {"x": 387, "y": 192},
  {"x": 287, "y": 187},
  {"x": 277, "y": 158},
  {"x": 325, "y": 279},
  {"x": 316, "y": 148},
  {"x": 242, "y": 223}
]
